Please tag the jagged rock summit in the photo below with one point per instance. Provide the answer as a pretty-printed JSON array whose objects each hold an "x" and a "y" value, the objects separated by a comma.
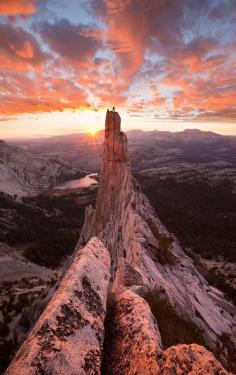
[
  {"x": 115, "y": 149},
  {"x": 161, "y": 314}
]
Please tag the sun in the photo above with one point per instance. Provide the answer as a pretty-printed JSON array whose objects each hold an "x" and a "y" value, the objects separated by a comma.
[{"x": 92, "y": 132}]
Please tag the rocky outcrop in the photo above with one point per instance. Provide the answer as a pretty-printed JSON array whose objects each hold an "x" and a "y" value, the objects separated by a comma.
[
  {"x": 189, "y": 359},
  {"x": 114, "y": 177},
  {"x": 68, "y": 337},
  {"x": 127, "y": 275},
  {"x": 128, "y": 226},
  {"x": 133, "y": 335},
  {"x": 22, "y": 284}
]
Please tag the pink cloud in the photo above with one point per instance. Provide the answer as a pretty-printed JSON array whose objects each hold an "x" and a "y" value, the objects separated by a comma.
[{"x": 39, "y": 94}]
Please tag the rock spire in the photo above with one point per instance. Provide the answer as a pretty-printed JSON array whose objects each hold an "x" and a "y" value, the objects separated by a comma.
[
  {"x": 115, "y": 145},
  {"x": 143, "y": 252}
]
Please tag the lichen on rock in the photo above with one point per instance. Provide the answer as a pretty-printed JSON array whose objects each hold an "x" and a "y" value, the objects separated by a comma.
[{"x": 132, "y": 340}]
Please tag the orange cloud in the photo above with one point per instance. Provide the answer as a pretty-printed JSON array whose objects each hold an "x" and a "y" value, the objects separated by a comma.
[
  {"x": 21, "y": 94},
  {"x": 206, "y": 100},
  {"x": 196, "y": 64},
  {"x": 26, "y": 50},
  {"x": 17, "y": 7},
  {"x": 143, "y": 105}
]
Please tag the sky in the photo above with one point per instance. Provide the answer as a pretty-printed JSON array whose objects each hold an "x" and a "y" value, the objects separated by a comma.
[{"x": 164, "y": 64}]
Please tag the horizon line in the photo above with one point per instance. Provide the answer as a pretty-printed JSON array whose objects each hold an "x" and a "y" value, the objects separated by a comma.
[{"x": 48, "y": 136}]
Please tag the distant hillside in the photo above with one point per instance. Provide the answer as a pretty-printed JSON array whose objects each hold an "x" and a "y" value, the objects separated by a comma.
[
  {"x": 147, "y": 149},
  {"x": 24, "y": 173}
]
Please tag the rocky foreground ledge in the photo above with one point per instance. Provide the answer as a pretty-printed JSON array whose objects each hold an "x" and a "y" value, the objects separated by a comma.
[
  {"x": 68, "y": 337},
  {"x": 131, "y": 302}
]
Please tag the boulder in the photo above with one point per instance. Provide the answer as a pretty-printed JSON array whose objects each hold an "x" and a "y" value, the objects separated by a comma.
[
  {"x": 133, "y": 340},
  {"x": 133, "y": 343},
  {"x": 189, "y": 359}
]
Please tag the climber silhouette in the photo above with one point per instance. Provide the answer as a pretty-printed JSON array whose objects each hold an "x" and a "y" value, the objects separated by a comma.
[{"x": 113, "y": 109}]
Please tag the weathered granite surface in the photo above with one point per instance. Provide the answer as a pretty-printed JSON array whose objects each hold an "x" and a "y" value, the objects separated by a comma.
[
  {"x": 133, "y": 336},
  {"x": 189, "y": 359},
  {"x": 68, "y": 337},
  {"x": 133, "y": 343}
]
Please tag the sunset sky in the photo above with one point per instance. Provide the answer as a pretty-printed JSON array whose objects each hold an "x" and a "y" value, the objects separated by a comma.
[{"x": 164, "y": 64}]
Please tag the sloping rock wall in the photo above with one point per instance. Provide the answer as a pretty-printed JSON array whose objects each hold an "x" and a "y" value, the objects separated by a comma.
[{"x": 126, "y": 223}]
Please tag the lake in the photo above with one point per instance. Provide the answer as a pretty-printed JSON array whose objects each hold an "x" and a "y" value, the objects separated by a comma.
[{"x": 84, "y": 182}]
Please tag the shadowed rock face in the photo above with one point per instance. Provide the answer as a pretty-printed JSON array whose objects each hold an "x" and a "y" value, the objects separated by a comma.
[
  {"x": 114, "y": 191},
  {"x": 133, "y": 336},
  {"x": 68, "y": 337}
]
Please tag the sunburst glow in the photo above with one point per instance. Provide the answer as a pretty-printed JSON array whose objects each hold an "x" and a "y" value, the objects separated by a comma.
[{"x": 93, "y": 133}]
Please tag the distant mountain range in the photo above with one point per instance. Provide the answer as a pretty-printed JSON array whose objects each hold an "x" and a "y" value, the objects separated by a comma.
[{"x": 30, "y": 166}]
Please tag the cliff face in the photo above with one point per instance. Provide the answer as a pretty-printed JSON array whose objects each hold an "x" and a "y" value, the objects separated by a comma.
[
  {"x": 114, "y": 174},
  {"x": 114, "y": 192},
  {"x": 126, "y": 223},
  {"x": 154, "y": 299}
]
